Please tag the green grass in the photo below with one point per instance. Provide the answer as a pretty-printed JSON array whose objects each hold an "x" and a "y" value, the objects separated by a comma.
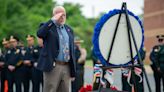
[{"x": 89, "y": 63}]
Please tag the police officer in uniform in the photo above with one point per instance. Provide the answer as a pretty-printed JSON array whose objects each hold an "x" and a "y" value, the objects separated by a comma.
[
  {"x": 37, "y": 75},
  {"x": 13, "y": 60},
  {"x": 80, "y": 58},
  {"x": 2, "y": 73},
  {"x": 28, "y": 62},
  {"x": 3, "y": 68},
  {"x": 157, "y": 58}
]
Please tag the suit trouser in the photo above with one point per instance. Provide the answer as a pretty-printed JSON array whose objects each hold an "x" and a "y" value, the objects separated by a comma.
[{"x": 58, "y": 79}]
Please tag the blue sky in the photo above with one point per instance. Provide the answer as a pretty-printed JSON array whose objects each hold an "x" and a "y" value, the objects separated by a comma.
[{"x": 92, "y": 8}]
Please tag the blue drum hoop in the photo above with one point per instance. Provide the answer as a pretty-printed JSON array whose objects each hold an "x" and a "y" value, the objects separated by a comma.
[{"x": 97, "y": 30}]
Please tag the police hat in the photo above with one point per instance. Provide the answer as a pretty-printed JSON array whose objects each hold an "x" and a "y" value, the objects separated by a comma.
[
  {"x": 160, "y": 38},
  {"x": 5, "y": 41},
  {"x": 30, "y": 37},
  {"x": 13, "y": 38},
  {"x": 78, "y": 40}
]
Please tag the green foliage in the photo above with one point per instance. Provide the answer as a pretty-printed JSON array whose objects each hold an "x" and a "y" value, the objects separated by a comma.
[
  {"x": 22, "y": 17},
  {"x": 83, "y": 27}
]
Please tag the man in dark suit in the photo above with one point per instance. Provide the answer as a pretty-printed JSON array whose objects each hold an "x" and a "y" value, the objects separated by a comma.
[{"x": 57, "y": 60}]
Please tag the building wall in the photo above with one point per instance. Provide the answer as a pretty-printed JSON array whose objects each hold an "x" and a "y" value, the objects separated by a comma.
[{"x": 153, "y": 23}]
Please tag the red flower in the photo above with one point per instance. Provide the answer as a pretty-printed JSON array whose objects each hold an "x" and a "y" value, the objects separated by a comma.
[
  {"x": 113, "y": 88},
  {"x": 86, "y": 88},
  {"x": 82, "y": 89},
  {"x": 89, "y": 88}
]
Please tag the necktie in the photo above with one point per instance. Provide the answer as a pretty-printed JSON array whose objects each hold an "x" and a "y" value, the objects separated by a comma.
[{"x": 65, "y": 46}]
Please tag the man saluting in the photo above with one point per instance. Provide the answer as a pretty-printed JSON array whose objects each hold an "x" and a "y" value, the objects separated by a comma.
[{"x": 57, "y": 56}]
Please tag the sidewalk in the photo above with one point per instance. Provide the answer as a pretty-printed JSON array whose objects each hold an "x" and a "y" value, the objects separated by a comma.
[{"x": 148, "y": 69}]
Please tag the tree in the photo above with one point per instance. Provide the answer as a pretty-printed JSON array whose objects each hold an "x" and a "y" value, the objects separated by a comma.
[{"x": 22, "y": 17}]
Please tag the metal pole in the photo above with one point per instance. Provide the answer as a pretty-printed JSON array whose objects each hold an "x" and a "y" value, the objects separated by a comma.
[
  {"x": 131, "y": 50},
  {"x": 139, "y": 56},
  {"x": 114, "y": 36}
]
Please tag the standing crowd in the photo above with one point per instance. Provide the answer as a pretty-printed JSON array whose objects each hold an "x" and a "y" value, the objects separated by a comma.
[
  {"x": 18, "y": 64},
  {"x": 57, "y": 57}
]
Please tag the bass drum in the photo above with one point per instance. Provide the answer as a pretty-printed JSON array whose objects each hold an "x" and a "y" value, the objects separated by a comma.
[{"x": 104, "y": 32}]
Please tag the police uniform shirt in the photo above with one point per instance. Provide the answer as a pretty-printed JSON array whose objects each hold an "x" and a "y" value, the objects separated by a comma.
[
  {"x": 36, "y": 53},
  {"x": 28, "y": 53},
  {"x": 14, "y": 57}
]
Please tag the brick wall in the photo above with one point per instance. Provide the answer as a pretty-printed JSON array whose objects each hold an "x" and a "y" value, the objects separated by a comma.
[{"x": 153, "y": 23}]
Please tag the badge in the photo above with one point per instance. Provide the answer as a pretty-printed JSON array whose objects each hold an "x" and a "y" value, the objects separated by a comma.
[
  {"x": 157, "y": 49},
  {"x": 35, "y": 50},
  {"x": 23, "y": 52},
  {"x": 17, "y": 51},
  {"x": 9, "y": 51}
]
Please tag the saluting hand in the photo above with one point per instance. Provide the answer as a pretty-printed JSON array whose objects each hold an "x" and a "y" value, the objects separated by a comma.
[{"x": 57, "y": 17}]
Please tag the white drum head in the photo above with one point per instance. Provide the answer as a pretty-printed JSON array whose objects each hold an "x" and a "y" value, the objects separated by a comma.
[{"x": 120, "y": 54}]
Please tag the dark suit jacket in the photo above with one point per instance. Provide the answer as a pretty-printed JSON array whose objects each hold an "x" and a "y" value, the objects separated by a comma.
[{"x": 48, "y": 32}]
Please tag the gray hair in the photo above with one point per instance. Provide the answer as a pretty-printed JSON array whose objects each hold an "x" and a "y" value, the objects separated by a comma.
[{"x": 57, "y": 8}]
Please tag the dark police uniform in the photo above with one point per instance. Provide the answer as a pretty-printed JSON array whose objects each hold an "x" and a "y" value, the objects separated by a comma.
[
  {"x": 157, "y": 58},
  {"x": 3, "y": 69},
  {"x": 78, "y": 83},
  {"x": 26, "y": 73},
  {"x": 2, "y": 73},
  {"x": 139, "y": 84},
  {"x": 14, "y": 58},
  {"x": 32, "y": 54},
  {"x": 37, "y": 75}
]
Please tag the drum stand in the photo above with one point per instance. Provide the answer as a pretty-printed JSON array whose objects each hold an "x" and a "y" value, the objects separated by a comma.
[{"x": 130, "y": 35}]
